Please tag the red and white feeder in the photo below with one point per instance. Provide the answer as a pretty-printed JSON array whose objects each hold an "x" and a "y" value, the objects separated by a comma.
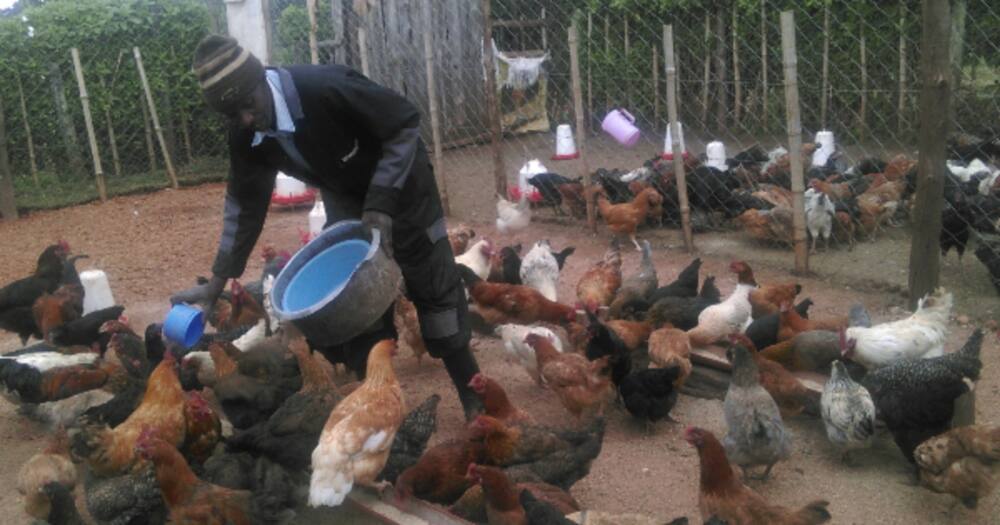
[
  {"x": 289, "y": 191},
  {"x": 668, "y": 146},
  {"x": 565, "y": 146},
  {"x": 530, "y": 169}
]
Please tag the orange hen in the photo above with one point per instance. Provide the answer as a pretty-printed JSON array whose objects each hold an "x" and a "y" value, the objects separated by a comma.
[
  {"x": 598, "y": 285},
  {"x": 625, "y": 218}
]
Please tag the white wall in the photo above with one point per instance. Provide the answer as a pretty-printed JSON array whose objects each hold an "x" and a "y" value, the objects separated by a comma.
[{"x": 247, "y": 20}]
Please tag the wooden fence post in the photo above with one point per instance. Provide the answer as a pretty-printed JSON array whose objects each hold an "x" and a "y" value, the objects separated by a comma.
[
  {"x": 27, "y": 130},
  {"x": 656, "y": 86},
  {"x": 935, "y": 102},
  {"x": 433, "y": 106},
  {"x": 680, "y": 177},
  {"x": 8, "y": 206},
  {"x": 156, "y": 120},
  {"x": 824, "y": 90},
  {"x": 794, "y": 123},
  {"x": 313, "y": 43},
  {"x": 763, "y": 62},
  {"x": 363, "y": 51},
  {"x": 495, "y": 124},
  {"x": 89, "y": 123},
  {"x": 581, "y": 137},
  {"x": 148, "y": 132}
]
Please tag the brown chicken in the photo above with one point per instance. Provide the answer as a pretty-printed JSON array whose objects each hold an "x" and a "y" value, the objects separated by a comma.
[
  {"x": 582, "y": 386},
  {"x": 775, "y": 195},
  {"x": 495, "y": 401},
  {"x": 788, "y": 392},
  {"x": 898, "y": 166},
  {"x": 791, "y": 323},
  {"x": 189, "y": 499},
  {"x": 112, "y": 451},
  {"x": 767, "y": 299},
  {"x": 723, "y": 496},
  {"x": 625, "y": 218},
  {"x": 874, "y": 211},
  {"x": 774, "y": 225},
  {"x": 633, "y": 333},
  {"x": 573, "y": 196},
  {"x": 807, "y": 351},
  {"x": 439, "y": 475},
  {"x": 459, "y": 237},
  {"x": 670, "y": 347},
  {"x": 844, "y": 229},
  {"x": 598, "y": 285},
  {"x": 56, "y": 309},
  {"x": 503, "y": 506},
  {"x": 836, "y": 192},
  {"x": 203, "y": 431},
  {"x": 52, "y": 465},
  {"x": 961, "y": 462},
  {"x": 501, "y": 303},
  {"x": 408, "y": 326}
]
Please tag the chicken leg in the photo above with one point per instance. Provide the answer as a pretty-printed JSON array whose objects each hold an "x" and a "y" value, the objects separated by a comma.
[{"x": 635, "y": 242}]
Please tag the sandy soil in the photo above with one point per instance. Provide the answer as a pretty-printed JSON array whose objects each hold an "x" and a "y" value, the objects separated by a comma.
[{"x": 152, "y": 245}]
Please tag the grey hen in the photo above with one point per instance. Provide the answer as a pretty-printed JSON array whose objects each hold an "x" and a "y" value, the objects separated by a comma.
[
  {"x": 757, "y": 435},
  {"x": 411, "y": 439},
  {"x": 638, "y": 286},
  {"x": 848, "y": 411},
  {"x": 132, "y": 499}
]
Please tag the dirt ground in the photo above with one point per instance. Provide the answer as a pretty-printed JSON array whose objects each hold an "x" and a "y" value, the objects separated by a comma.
[{"x": 152, "y": 245}]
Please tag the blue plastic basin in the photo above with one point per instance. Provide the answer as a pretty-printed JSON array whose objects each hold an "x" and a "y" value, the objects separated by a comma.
[{"x": 326, "y": 272}]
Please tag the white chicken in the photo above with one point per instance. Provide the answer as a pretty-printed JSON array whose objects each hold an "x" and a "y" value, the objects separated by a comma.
[
  {"x": 258, "y": 332},
  {"x": 355, "y": 442},
  {"x": 512, "y": 217},
  {"x": 819, "y": 217},
  {"x": 540, "y": 270},
  {"x": 477, "y": 258},
  {"x": 920, "y": 335},
  {"x": 729, "y": 316},
  {"x": 513, "y": 342}
]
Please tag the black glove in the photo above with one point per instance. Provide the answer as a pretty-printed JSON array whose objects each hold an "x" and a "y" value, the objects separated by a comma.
[
  {"x": 203, "y": 294},
  {"x": 376, "y": 220}
]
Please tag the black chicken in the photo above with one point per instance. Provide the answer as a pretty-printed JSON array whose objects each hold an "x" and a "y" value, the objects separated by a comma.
[
  {"x": 988, "y": 253},
  {"x": 649, "y": 394},
  {"x": 682, "y": 312},
  {"x": 686, "y": 284},
  {"x": 916, "y": 398},
  {"x": 17, "y": 297},
  {"x": 604, "y": 341},
  {"x": 548, "y": 186},
  {"x": 562, "y": 255},
  {"x": 763, "y": 331},
  {"x": 411, "y": 439},
  {"x": 85, "y": 330}
]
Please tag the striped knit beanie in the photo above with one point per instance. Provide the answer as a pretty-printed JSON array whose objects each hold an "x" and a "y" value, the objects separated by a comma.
[{"x": 227, "y": 73}]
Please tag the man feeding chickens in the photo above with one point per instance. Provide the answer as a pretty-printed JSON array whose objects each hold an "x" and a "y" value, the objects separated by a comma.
[{"x": 358, "y": 142}]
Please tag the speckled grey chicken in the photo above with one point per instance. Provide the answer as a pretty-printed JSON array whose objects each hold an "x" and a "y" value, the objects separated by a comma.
[
  {"x": 638, "y": 286},
  {"x": 916, "y": 398},
  {"x": 411, "y": 438},
  {"x": 848, "y": 411},
  {"x": 132, "y": 499},
  {"x": 757, "y": 434}
]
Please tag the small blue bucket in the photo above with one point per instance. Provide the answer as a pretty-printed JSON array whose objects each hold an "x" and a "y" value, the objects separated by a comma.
[{"x": 184, "y": 325}]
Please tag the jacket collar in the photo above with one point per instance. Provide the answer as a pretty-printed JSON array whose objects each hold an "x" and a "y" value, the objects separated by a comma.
[{"x": 291, "y": 93}]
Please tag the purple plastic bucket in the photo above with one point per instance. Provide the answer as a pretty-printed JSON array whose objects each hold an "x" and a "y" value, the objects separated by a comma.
[{"x": 620, "y": 124}]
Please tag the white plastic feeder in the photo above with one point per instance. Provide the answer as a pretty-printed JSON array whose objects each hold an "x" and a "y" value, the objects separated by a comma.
[
  {"x": 565, "y": 146},
  {"x": 825, "y": 146},
  {"x": 716, "y": 152},
  {"x": 289, "y": 191},
  {"x": 97, "y": 291},
  {"x": 317, "y": 218},
  {"x": 528, "y": 170},
  {"x": 668, "y": 147}
]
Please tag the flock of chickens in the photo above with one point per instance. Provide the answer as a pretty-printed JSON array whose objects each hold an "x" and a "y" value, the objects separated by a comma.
[
  {"x": 249, "y": 423},
  {"x": 842, "y": 202}
]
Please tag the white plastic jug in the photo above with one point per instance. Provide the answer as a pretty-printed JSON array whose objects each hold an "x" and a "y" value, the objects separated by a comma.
[
  {"x": 825, "y": 146},
  {"x": 97, "y": 291},
  {"x": 317, "y": 218},
  {"x": 716, "y": 152}
]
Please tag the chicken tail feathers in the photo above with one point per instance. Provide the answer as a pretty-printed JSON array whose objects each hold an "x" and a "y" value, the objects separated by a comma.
[{"x": 814, "y": 513}]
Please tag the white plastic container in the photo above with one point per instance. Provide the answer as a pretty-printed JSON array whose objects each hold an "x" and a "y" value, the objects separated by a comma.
[
  {"x": 668, "y": 147},
  {"x": 285, "y": 186},
  {"x": 317, "y": 218},
  {"x": 825, "y": 146},
  {"x": 97, "y": 291},
  {"x": 565, "y": 146},
  {"x": 716, "y": 152},
  {"x": 528, "y": 170}
]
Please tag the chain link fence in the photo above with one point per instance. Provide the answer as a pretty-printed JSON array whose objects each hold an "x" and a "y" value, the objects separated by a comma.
[{"x": 858, "y": 74}]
